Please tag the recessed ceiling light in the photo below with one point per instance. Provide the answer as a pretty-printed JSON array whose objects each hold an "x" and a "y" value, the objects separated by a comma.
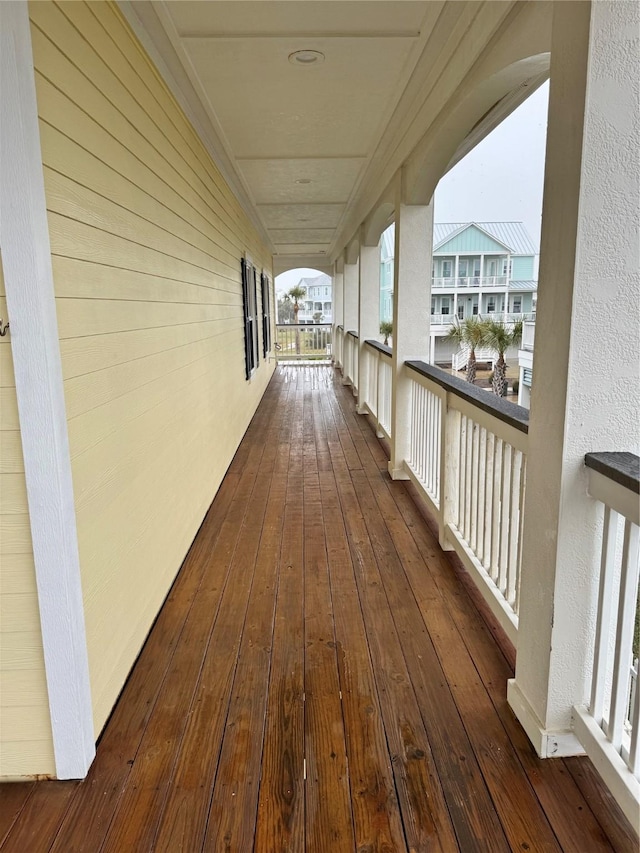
[
  {"x": 306, "y": 57},
  {"x": 303, "y": 181}
]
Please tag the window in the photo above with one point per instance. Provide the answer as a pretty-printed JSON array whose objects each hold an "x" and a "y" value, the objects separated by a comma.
[
  {"x": 491, "y": 304},
  {"x": 476, "y": 266},
  {"x": 326, "y": 291},
  {"x": 445, "y": 305},
  {"x": 517, "y": 305},
  {"x": 463, "y": 265},
  {"x": 475, "y": 308},
  {"x": 266, "y": 315},
  {"x": 460, "y": 312},
  {"x": 249, "y": 302},
  {"x": 505, "y": 266},
  {"x": 446, "y": 269},
  {"x": 433, "y": 305}
]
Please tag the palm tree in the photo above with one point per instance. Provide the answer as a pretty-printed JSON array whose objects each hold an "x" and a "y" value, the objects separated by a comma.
[
  {"x": 499, "y": 337},
  {"x": 386, "y": 329},
  {"x": 296, "y": 293},
  {"x": 471, "y": 333}
]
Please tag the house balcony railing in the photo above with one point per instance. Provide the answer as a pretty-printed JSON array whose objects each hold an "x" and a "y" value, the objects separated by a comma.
[
  {"x": 350, "y": 359},
  {"x": 500, "y": 317},
  {"x": 296, "y": 341},
  {"x": 608, "y": 727},
  {"x": 376, "y": 396},
  {"x": 465, "y": 282},
  {"x": 468, "y": 459}
]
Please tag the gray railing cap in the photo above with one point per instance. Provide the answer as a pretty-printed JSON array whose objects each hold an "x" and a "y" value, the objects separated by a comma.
[
  {"x": 382, "y": 347},
  {"x": 506, "y": 411},
  {"x": 621, "y": 467}
]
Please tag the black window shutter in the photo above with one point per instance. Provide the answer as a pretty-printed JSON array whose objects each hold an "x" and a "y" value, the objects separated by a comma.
[
  {"x": 246, "y": 306},
  {"x": 266, "y": 316},
  {"x": 254, "y": 319}
]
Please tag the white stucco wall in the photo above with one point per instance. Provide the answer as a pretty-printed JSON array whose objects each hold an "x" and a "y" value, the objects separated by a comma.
[{"x": 587, "y": 338}]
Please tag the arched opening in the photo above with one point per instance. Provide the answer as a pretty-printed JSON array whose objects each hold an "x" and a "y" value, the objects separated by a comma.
[
  {"x": 304, "y": 297},
  {"x": 487, "y": 218}
]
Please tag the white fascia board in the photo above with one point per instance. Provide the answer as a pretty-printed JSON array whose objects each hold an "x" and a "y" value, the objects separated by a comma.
[{"x": 28, "y": 276}]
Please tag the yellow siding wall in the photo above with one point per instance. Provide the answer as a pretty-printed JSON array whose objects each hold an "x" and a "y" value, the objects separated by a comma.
[
  {"x": 25, "y": 734},
  {"x": 146, "y": 239}
]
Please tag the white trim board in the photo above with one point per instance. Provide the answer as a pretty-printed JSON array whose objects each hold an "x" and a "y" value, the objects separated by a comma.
[{"x": 28, "y": 276}]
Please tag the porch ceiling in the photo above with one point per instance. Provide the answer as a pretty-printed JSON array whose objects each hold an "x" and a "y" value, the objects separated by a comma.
[{"x": 303, "y": 145}]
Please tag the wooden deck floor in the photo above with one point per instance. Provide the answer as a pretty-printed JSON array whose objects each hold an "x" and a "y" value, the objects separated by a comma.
[{"x": 317, "y": 680}]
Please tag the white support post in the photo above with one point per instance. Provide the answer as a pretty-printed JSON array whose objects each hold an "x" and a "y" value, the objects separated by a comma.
[
  {"x": 368, "y": 313},
  {"x": 411, "y": 317},
  {"x": 28, "y": 276},
  {"x": 350, "y": 307},
  {"x": 338, "y": 311},
  {"x": 586, "y": 394}
]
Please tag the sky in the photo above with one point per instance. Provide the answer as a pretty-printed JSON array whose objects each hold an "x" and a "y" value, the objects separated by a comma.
[{"x": 500, "y": 180}]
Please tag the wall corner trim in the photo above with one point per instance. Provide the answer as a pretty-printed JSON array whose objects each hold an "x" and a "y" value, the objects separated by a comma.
[{"x": 26, "y": 258}]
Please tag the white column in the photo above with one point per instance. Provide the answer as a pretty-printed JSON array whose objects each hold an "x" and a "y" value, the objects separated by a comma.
[
  {"x": 28, "y": 278},
  {"x": 350, "y": 304},
  {"x": 411, "y": 318},
  {"x": 586, "y": 391},
  {"x": 368, "y": 312},
  {"x": 338, "y": 312}
]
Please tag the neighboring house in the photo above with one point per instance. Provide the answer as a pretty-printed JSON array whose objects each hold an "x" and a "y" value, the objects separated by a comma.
[
  {"x": 316, "y": 307},
  {"x": 479, "y": 269}
]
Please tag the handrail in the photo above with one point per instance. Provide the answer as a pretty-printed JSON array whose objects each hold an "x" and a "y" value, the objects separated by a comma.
[
  {"x": 383, "y": 348},
  {"x": 353, "y": 334},
  {"x": 608, "y": 724},
  {"x": 622, "y": 468},
  {"x": 506, "y": 411}
]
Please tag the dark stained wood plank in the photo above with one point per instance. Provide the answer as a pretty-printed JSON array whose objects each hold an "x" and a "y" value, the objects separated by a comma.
[
  {"x": 40, "y": 818},
  {"x": 469, "y": 802},
  {"x": 281, "y": 810},
  {"x": 376, "y": 812},
  {"x": 232, "y": 815},
  {"x": 13, "y": 796},
  {"x": 182, "y": 816},
  {"x": 328, "y": 811},
  {"x": 280, "y": 822},
  {"x": 618, "y": 829},
  {"x": 572, "y": 820},
  {"x": 424, "y": 811}
]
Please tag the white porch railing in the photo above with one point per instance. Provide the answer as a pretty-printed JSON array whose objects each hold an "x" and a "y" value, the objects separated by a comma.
[
  {"x": 470, "y": 281},
  {"x": 295, "y": 341},
  {"x": 609, "y": 727},
  {"x": 338, "y": 345},
  {"x": 350, "y": 345},
  {"x": 468, "y": 460},
  {"x": 376, "y": 396}
]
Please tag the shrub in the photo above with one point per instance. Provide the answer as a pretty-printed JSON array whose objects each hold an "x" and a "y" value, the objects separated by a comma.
[{"x": 516, "y": 386}]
